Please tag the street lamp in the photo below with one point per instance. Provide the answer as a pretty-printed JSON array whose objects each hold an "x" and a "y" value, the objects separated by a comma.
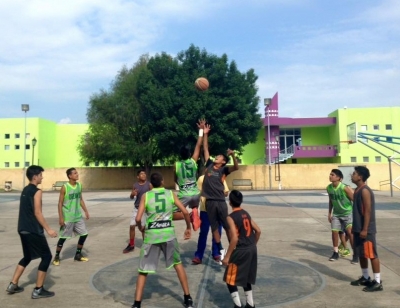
[
  {"x": 34, "y": 141},
  {"x": 24, "y": 108},
  {"x": 278, "y": 160},
  {"x": 267, "y": 103}
]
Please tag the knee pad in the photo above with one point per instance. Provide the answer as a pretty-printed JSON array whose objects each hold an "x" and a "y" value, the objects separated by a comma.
[
  {"x": 232, "y": 288},
  {"x": 61, "y": 242},
  {"x": 247, "y": 288},
  {"x": 82, "y": 239}
]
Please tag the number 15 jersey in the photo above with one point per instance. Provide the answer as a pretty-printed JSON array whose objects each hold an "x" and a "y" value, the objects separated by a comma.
[
  {"x": 159, "y": 207},
  {"x": 245, "y": 231}
]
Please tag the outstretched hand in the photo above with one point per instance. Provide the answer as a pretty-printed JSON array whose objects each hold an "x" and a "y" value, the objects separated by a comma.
[
  {"x": 207, "y": 128},
  {"x": 201, "y": 123},
  {"x": 230, "y": 152}
]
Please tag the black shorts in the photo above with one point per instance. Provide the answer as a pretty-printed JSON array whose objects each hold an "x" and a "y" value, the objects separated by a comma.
[
  {"x": 242, "y": 268},
  {"x": 365, "y": 247},
  {"x": 217, "y": 213},
  {"x": 34, "y": 246}
]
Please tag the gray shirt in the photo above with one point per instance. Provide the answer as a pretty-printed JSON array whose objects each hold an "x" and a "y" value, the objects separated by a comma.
[
  {"x": 141, "y": 190},
  {"x": 358, "y": 212}
]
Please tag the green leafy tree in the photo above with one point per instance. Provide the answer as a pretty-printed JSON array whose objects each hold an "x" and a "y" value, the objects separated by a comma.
[{"x": 169, "y": 100}]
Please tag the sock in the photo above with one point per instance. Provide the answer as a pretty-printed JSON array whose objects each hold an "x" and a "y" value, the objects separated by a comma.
[
  {"x": 37, "y": 288},
  {"x": 377, "y": 277},
  {"x": 249, "y": 297},
  {"x": 219, "y": 245},
  {"x": 132, "y": 242},
  {"x": 78, "y": 250},
  {"x": 365, "y": 273},
  {"x": 236, "y": 298},
  {"x": 137, "y": 304},
  {"x": 335, "y": 249}
]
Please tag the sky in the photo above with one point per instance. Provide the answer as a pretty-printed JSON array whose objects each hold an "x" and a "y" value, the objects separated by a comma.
[{"x": 319, "y": 55}]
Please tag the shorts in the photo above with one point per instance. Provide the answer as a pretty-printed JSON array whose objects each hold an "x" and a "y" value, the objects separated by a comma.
[
  {"x": 133, "y": 217},
  {"x": 365, "y": 248},
  {"x": 150, "y": 255},
  {"x": 341, "y": 223},
  {"x": 242, "y": 268},
  {"x": 34, "y": 246},
  {"x": 191, "y": 201},
  {"x": 73, "y": 228},
  {"x": 217, "y": 213}
]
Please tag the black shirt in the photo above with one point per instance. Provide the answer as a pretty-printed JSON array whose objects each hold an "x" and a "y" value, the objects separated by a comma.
[
  {"x": 27, "y": 221},
  {"x": 245, "y": 232},
  {"x": 213, "y": 184},
  {"x": 358, "y": 211}
]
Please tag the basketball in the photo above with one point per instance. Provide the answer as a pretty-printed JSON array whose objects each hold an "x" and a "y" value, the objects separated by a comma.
[{"x": 201, "y": 84}]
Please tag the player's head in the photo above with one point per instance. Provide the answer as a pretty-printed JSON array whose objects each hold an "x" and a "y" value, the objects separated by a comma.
[
  {"x": 360, "y": 173},
  {"x": 156, "y": 179},
  {"x": 184, "y": 152},
  {"x": 221, "y": 159},
  {"x": 141, "y": 175},
  {"x": 72, "y": 174},
  {"x": 34, "y": 173},
  {"x": 235, "y": 198},
  {"x": 335, "y": 175}
]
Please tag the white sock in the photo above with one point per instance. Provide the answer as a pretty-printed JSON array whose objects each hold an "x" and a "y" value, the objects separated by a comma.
[
  {"x": 249, "y": 297},
  {"x": 236, "y": 298},
  {"x": 335, "y": 249},
  {"x": 377, "y": 277},
  {"x": 365, "y": 273}
]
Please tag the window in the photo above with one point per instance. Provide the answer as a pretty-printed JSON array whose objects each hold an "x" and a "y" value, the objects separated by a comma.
[
  {"x": 17, "y": 146},
  {"x": 353, "y": 159},
  {"x": 389, "y": 139},
  {"x": 376, "y": 127},
  {"x": 6, "y": 164},
  {"x": 378, "y": 159},
  {"x": 364, "y": 128},
  {"x": 27, "y": 146},
  {"x": 6, "y": 136},
  {"x": 6, "y": 147},
  {"x": 365, "y": 159},
  {"x": 27, "y": 135},
  {"x": 27, "y": 164},
  {"x": 16, "y": 136},
  {"x": 16, "y": 164},
  {"x": 388, "y": 126}
]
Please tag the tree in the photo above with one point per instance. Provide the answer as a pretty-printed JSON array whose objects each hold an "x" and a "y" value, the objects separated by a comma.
[
  {"x": 116, "y": 129},
  {"x": 169, "y": 100}
]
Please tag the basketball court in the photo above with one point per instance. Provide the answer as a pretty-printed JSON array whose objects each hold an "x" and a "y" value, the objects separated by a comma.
[{"x": 293, "y": 269}]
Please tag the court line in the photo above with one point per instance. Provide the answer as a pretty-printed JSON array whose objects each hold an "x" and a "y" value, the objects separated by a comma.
[{"x": 203, "y": 285}]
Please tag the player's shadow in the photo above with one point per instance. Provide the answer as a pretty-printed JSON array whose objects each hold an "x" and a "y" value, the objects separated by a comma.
[
  {"x": 32, "y": 276},
  {"x": 319, "y": 249},
  {"x": 327, "y": 270}
]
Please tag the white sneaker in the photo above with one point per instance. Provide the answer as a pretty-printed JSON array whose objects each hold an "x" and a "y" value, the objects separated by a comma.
[{"x": 223, "y": 253}]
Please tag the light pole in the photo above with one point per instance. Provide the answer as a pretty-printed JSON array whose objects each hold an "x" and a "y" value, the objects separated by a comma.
[
  {"x": 278, "y": 160},
  {"x": 24, "y": 108},
  {"x": 267, "y": 103},
  {"x": 34, "y": 141}
]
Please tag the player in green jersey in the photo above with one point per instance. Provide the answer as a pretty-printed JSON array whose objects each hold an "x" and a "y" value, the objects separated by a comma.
[
  {"x": 71, "y": 221},
  {"x": 186, "y": 178},
  {"x": 159, "y": 236},
  {"x": 340, "y": 213}
]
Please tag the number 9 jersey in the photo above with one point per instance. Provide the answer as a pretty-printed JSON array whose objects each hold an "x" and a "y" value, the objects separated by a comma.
[{"x": 245, "y": 232}]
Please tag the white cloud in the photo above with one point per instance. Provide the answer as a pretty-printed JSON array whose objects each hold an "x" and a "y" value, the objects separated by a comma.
[{"x": 65, "y": 121}]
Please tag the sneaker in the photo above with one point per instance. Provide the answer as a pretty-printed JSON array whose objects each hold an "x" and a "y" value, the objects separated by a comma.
[
  {"x": 217, "y": 259},
  {"x": 195, "y": 219},
  {"x": 128, "y": 248},
  {"x": 354, "y": 260},
  {"x": 335, "y": 256},
  {"x": 345, "y": 252},
  {"x": 236, "y": 306},
  {"x": 361, "y": 281},
  {"x": 196, "y": 261},
  {"x": 373, "y": 286},
  {"x": 56, "y": 261},
  {"x": 223, "y": 253},
  {"x": 41, "y": 293},
  {"x": 14, "y": 288},
  {"x": 188, "y": 303},
  {"x": 249, "y": 306},
  {"x": 341, "y": 248},
  {"x": 79, "y": 257}
]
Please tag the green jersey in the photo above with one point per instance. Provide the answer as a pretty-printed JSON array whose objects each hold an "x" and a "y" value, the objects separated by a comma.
[
  {"x": 159, "y": 207},
  {"x": 341, "y": 204},
  {"x": 186, "y": 175},
  {"x": 72, "y": 202}
]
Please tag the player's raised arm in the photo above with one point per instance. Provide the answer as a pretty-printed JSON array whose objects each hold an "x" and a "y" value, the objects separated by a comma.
[
  {"x": 235, "y": 163},
  {"x": 206, "y": 130},
  {"x": 196, "y": 152}
]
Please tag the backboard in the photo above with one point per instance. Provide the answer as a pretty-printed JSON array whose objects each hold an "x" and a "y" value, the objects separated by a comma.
[{"x": 352, "y": 132}]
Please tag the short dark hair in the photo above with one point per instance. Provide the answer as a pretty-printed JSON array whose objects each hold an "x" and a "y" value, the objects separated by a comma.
[
  {"x": 235, "y": 198},
  {"x": 32, "y": 171},
  {"x": 69, "y": 171},
  {"x": 226, "y": 158},
  {"x": 363, "y": 172},
  {"x": 141, "y": 170},
  {"x": 184, "y": 152},
  {"x": 338, "y": 173},
  {"x": 156, "y": 179}
]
